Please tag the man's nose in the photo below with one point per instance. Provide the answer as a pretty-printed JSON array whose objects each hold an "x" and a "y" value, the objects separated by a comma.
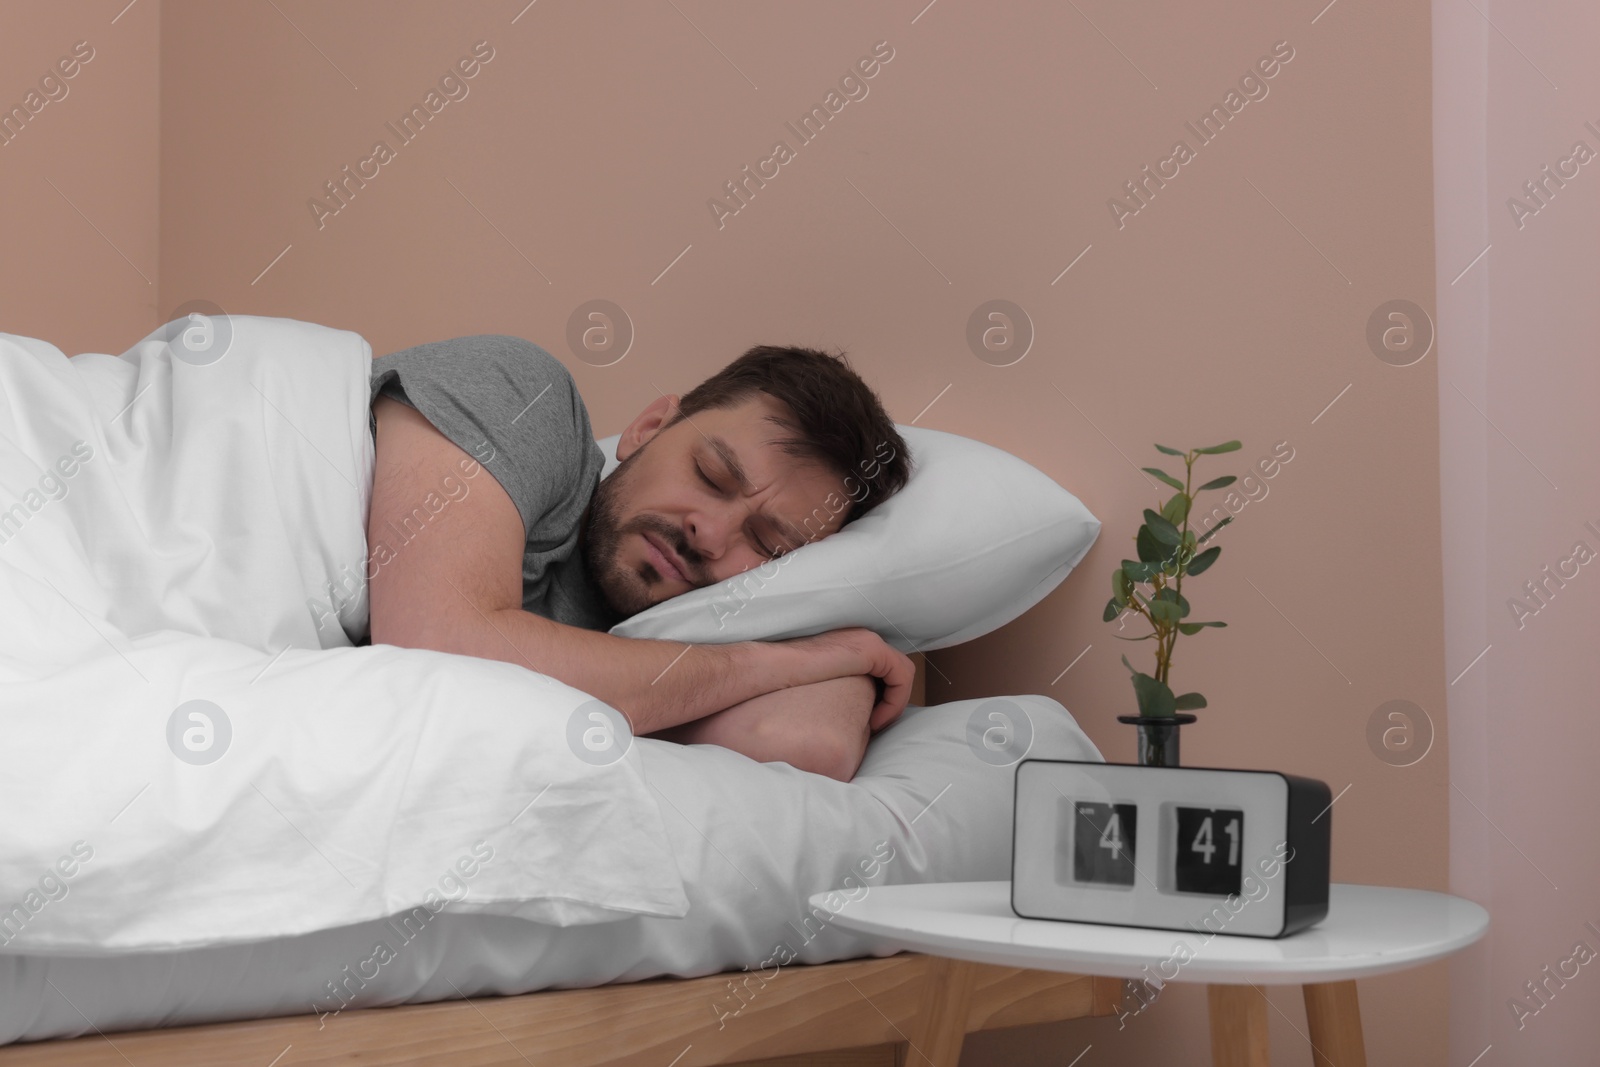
[{"x": 708, "y": 533}]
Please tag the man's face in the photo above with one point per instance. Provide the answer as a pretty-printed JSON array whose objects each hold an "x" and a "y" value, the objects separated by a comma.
[{"x": 676, "y": 515}]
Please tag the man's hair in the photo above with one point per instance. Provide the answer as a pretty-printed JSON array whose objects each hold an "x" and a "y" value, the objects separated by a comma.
[{"x": 835, "y": 418}]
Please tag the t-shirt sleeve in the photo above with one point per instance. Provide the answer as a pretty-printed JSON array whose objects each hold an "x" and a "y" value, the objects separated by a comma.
[{"x": 514, "y": 408}]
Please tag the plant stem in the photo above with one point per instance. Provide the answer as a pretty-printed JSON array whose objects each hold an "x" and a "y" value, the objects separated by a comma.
[
  {"x": 1183, "y": 544},
  {"x": 1162, "y": 637}
]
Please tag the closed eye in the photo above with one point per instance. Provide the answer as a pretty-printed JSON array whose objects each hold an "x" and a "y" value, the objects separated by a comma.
[{"x": 770, "y": 553}]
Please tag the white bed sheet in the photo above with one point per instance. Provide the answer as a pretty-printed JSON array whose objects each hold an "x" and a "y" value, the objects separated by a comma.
[{"x": 932, "y": 802}]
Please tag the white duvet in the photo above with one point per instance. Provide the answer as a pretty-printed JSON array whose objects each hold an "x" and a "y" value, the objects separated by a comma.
[
  {"x": 195, "y": 754},
  {"x": 932, "y": 803}
]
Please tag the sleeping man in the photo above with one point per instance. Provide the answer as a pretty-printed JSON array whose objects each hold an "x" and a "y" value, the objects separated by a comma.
[{"x": 781, "y": 447}]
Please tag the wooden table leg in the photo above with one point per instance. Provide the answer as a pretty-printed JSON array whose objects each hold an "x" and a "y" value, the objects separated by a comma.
[
  {"x": 1335, "y": 1018},
  {"x": 941, "y": 1026},
  {"x": 1238, "y": 1026}
]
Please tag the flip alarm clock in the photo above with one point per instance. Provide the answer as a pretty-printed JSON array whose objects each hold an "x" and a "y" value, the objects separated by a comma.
[{"x": 1176, "y": 848}]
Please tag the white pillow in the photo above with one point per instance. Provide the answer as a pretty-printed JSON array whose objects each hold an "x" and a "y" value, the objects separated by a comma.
[{"x": 974, "y": 539}]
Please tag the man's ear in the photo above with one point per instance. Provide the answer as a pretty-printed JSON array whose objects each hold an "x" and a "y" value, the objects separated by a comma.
[{"x": 649, "y": 422}]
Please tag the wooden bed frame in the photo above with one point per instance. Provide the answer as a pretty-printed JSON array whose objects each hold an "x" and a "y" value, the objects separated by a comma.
[{"x": 909, "y": 1010}]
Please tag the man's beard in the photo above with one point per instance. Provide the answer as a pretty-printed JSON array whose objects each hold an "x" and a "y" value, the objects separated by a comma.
[{"x": 624, "y": 589}]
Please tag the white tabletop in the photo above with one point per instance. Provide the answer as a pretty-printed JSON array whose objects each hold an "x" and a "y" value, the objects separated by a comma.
[{"x": 1369, "y": 930}]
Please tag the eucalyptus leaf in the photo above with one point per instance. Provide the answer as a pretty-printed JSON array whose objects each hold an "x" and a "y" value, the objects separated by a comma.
[
  {"x": 1217, "y": 483},
  {"x": 1204, "y": 560},
  {"x": 1128, "y": 665},
  {"x": 1121, "y": 585},
  {"x": 1214, "y": 450},
  {"x": 1189, "y": 628},
  {"x": 1139, "y": 572},
  {"x": 1150, "y": 549},
  {"x": 1165, "y": 611},
  {"x": 1209, "y": 534},
  {"x": 1189, "y": 702},
  {"x": 1168, "y": 451},
  {"x": 1112, "y": 610},
  {"x": 1164, "y": 531},
  {"x": 1172, "y": 596},
  {"x": 1155, "y": 697},
  {"x": 1177, "y": 509},
  {"x": 1164, "y": 476}
]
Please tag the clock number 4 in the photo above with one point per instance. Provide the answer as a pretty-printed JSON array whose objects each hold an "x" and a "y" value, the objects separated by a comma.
[
  {"x": 1104, "y": 843},
  {"x": 1111, "y": 836}
]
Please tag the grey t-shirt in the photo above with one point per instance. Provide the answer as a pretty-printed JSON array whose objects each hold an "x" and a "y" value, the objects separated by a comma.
[{"x": 514, "y": 408}]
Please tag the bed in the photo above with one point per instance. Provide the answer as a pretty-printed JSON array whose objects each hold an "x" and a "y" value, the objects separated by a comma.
[
  {"x": 923, "y": 808},
  {"x": 646, "y": 908}
]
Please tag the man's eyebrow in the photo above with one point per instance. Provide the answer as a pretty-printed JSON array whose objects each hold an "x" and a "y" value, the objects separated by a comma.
[{"x": 788, "y": 529}]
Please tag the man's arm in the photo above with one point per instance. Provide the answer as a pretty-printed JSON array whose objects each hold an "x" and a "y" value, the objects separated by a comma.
[
  {"x": 456, "y": 586},
  {"x": 822, "y": 728}
]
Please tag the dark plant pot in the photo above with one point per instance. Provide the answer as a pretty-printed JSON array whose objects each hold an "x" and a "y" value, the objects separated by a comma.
[{"x": 1158, "y": 737}]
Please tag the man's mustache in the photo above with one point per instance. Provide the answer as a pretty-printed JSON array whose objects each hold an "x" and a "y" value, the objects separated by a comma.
[{"x": 693, "y": 562}]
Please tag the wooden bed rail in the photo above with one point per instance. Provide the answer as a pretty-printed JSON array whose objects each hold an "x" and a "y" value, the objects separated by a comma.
[{"x": 909, "y": 1010}]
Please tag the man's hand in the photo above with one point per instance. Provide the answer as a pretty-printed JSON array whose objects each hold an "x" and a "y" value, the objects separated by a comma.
[
  {"x": 856, "y": 651},
  {"x": 822, "y": 727}
]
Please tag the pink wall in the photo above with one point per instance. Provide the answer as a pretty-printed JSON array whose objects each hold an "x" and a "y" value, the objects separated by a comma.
[
  {"x": 79, "y": 181},
  {"x": 1518, "y": 382},
  {"x": 978, "y": 166}
]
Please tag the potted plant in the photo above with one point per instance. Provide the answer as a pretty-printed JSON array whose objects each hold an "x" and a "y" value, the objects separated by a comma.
[{"x": 1152, "y": 586}]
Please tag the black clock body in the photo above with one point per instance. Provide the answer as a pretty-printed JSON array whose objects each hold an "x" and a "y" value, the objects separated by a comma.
[{"x": 1211, "y": 850}]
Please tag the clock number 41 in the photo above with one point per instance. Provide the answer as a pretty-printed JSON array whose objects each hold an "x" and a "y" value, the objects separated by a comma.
[
  {"x": 1208, "y": 851},
  {"x": 1203, "y": 843}
]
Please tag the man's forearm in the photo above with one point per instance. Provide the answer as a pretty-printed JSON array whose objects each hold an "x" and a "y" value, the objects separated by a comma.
[
  {"x": 656, "y": 684},
  {"x": 821, "y": 727}
]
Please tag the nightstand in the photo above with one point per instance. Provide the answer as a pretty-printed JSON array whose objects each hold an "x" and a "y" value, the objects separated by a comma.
[{"x": 1369, "y": 930}]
